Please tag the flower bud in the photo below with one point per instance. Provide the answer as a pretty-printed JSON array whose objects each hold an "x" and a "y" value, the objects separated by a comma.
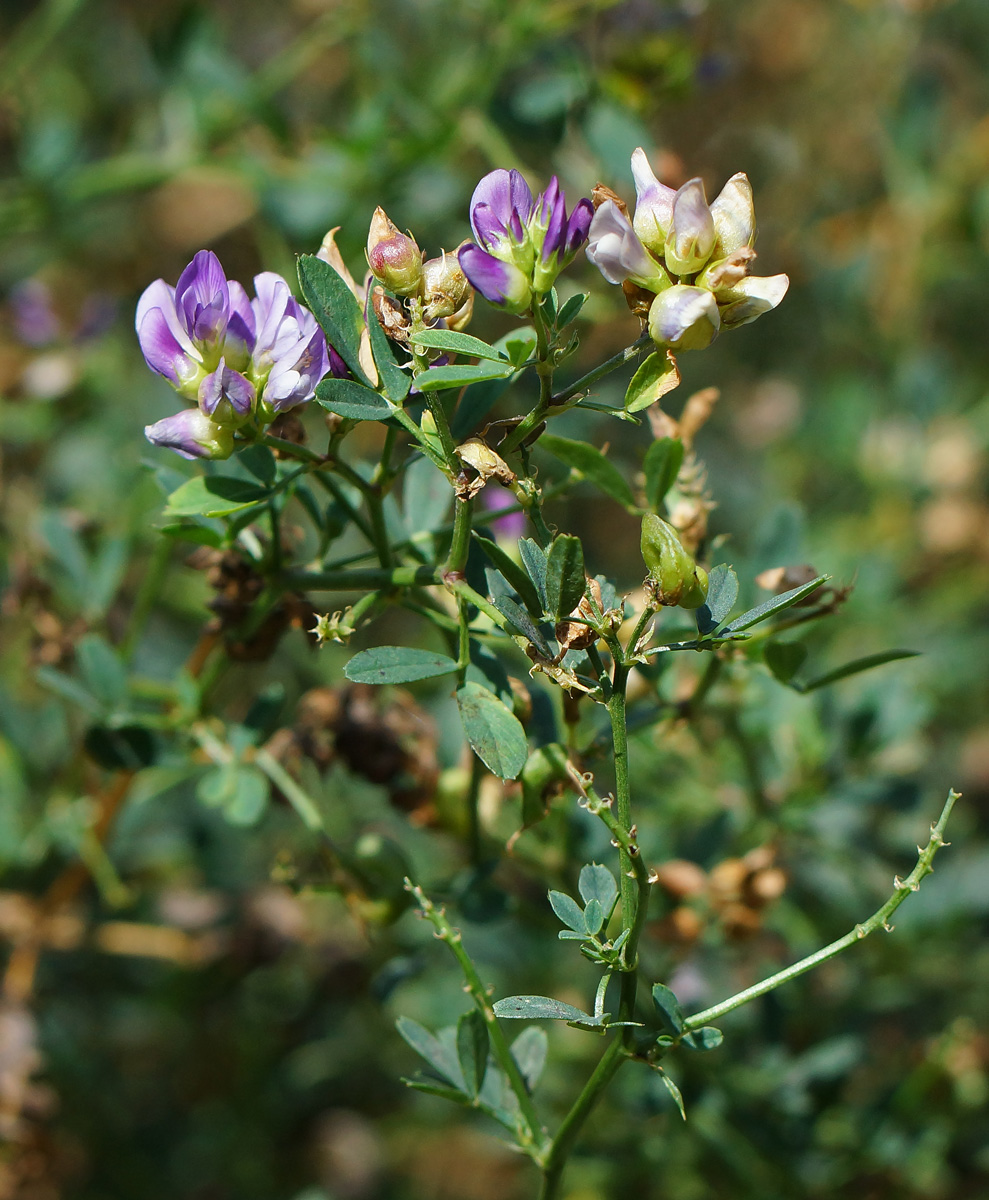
[
  {"x": 684, "y": 318},
  {"x": 690, "y": 240},
  {"x": 192, "y": 434},
  {"x": 394, "y": 258},
  {"x": 734, "y": 215},
  {"x": 653, "y": 205},
  {"x": 444, "y": 285},
  {"x": 674, "y": 577},
  {"x": 751, "y": 297}
]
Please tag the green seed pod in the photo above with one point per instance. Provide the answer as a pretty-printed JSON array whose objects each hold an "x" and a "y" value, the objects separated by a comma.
[{"x": 674, "y": 578}]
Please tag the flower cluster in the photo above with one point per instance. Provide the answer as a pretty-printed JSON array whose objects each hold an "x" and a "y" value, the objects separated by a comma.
[
  {"x": 521, "y": 244},
  {"x": 238, "y": 360},
  {"x": 693, "y": 256},
  {"x": 438, "y": 285}
]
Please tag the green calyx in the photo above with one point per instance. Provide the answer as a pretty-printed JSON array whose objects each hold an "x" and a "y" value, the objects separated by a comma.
[{"x": 675, "y": 580}]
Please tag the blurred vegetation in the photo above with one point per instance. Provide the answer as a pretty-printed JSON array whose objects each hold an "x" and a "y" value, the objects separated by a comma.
[{"x": 188, "y": 1012}]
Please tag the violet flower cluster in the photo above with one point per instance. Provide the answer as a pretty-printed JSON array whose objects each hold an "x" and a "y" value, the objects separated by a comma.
[
  {"x": 522, "y": 244},
  {"x": 240, "y": 361},
  {"x": 694, "y": 257}
]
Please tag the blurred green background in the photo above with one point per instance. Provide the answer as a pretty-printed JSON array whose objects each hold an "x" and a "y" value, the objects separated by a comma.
[{"x": 208, "y": 1023}]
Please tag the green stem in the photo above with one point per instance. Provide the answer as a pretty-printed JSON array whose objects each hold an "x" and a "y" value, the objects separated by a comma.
[
  {"x": 878, "y": 920},
  {"x": 361, "y": 580},
  {"x": 609, "y": 365},
  {"x": 544, "y": 369},
  {"x": 573, "y": 1122},
  {"x": 460, "y": 544},
  {"x": 533, "y": 1136}
]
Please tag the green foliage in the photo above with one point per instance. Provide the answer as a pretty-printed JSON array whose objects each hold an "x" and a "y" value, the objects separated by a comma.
[{"x": 164, "y": 721}]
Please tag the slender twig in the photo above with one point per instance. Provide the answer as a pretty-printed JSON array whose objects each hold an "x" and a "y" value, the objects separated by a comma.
[
  {"x": 534, "y": 1135},
  {"x": 609, "y": 365},
  {"x": 878, "y": 920}
]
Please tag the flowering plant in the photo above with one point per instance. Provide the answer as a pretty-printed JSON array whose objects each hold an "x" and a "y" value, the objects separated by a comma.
[{"x": 391, "y": 353}]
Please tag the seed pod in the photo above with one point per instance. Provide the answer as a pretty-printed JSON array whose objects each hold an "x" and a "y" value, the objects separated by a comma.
[{"x": 674, "y": 578}]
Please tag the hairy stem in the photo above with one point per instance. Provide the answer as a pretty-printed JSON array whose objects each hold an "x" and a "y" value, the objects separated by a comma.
[
  {"x": 533, "y": 1135},
  {"x": 878, "y": 920},
  {"x": 573, "y": 1122}
]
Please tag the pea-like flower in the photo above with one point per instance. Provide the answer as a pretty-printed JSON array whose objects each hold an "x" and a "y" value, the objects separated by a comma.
[
  {"x": 693, "y": 255},
  {"x": 239, "y": 360},
  {"x": 521, "y": 244}
]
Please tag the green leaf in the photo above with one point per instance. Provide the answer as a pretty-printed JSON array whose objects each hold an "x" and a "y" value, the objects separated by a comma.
[
  {"x": 68, "y": 688},
  {"x": 472, "y": 1049},
  {"x": 213, "y": 496},
  {"x": 128, "y": 747},
  {"x": 722, "y": 592},
  {"x": 537, "y": 1008},
  {"x": 395, "y": 380},
  {"x": 422, "y": 1084},
  {"x": 335, "y": 307},
  {"x": 523, "y": 623},
  {"x": 101, "y": 669},
  {"x": 668, "y": 1007},
  {"x": 518, "y": 344},
  {"x": 598, "y": 883},
  {"x": 571, "y": 310},
  {"x": 656, "y": 376},
  {"x": 565, "y": 578},
  {"x": 511, "y": 570},
  {"x": 440, "y": 1057},
  {"x": 534, "y": 560},
  {"x": 397, "y": 664},
  {"x": 260, "y": 462},
  {"x": 593, "y": 916},
  {"x": 591, "y": 465},
  {"x": 529, "y": 1050},
  {"x": 569, "y": 911},
  {"x": 784, "y": 659},
  {"x": 674, "y": 1091},
  {"x": 853, "y": 668},
  {"x": 457, "y": 343},
  {"x": 439, "y": 379},
  {"x": 705, "y": 1038},
  {"x": 200, "y": 535},
  {"x": 662, "y": 464},
  {"x": 352, "y": 400},
  {"x": 487, "y": 669},
  {"x": 776, "y": 604},
  {"x": 493, "y": 731}
]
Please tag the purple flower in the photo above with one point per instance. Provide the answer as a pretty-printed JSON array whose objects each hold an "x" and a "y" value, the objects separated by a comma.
[
  {"x": 226, "y": 396},
  {"x": 192, "y": 434},
  {"x": 183, "y": 330},
  {"x": 535, "y": 239},
  {"x": 557, "y": 236},
  {"x": 500, "y": 209},
  {"x": 290, "y": 354},
  {"x": 233, "y": 356},
  {"x": 691, "y": 237},
  {"x": 500, "y": 283}
]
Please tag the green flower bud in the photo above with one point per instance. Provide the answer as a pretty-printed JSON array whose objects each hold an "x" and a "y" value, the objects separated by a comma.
[
  {"x": 444, "y": 286},
  {"x": 674, "y": 578},
  {"x": 394, "y": 258}
]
